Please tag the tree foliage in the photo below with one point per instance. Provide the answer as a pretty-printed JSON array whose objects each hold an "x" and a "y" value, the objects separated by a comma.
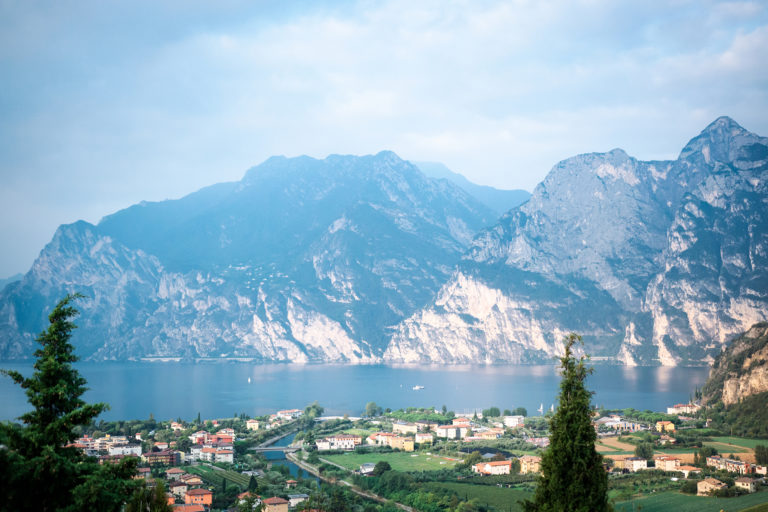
[
  {"x": 39, "y": 469},
  {"x": 572, "y": 475},
  {"x": 644, "y": 450}
]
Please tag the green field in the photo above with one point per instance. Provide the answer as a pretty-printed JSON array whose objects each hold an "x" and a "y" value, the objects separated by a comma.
[
  {"x": 685, "y": 503},
  {"x": 741, "y": 441},
  {"x": 502, "y": 498},
  {"x": 400, "y": 461},
  {"x": 214, "y": 477}
]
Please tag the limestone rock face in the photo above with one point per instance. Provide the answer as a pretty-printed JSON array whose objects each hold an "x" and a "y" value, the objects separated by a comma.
[
  {"x": 655, "y": 262},
  {"x": 303, "y": 260}
]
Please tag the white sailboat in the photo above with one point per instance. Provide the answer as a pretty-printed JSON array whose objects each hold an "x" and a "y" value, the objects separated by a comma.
[
  {"x": 552, "y": 408},
  {"x": 249, "y": 380},
  {"x": 541, "y": 409}
]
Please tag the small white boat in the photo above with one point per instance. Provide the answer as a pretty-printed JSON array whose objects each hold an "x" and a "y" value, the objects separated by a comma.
[
  {"x": 249, "y": 380},
  {"x": 416, "y": 388}
]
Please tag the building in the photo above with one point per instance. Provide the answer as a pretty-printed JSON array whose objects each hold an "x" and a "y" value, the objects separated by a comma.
[
  {"x": 126, "y": 449},
  {"x": 498, "y": 467},
  {"x": 683, "y": 409},
  {"x": 514, "y": 421},
  {"x": 191, "y": 480},
  {"x": 199, "y": 497},
  {"x": 423, "y": 437},
  {"x": 379, "y": 438},
  {"x": 367, "y": 468},
  {"x": 664, "y": 439},
  {"x": 403, "y": 427},
  {"x": 176, "y": 426},
  {"x": 708, "y": 486},
  {"x": 688, "y": 470},
  {"x": 339, "y": 442},
  {"x": 665, "y": 426},
  {"x": 174, "y": 473},
  {"x": 633, "y": 464},
  {"x": 667, "y": 463},
  {"x": 730, "y": 465},
  {"x": 449, "y": 431},
  {"x": 426, "y": 426},
  {"x": 405, "y": 444},
  {"x": 178, "y": 488},
  {"x": 225, "y": 456},
  {"x": 166, "y": 458},
  {"x": 198, "y": 437},
  {"x": 530, "y": 464},
  {"x": 275, "y": 504},
  {"x": 189, "y": 508},
  {"x": 295, "y": 499},
  {"x": 252, "y": 425},
  {"x": 746, "y": 484},
  {"x": 289, "y": 414}
]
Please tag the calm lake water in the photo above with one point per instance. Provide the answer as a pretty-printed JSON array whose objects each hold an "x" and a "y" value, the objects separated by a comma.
[{"x": 172, "y": 390}]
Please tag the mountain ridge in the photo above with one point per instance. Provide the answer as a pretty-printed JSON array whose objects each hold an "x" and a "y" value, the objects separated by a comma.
[{"x": 364, "y": 259}]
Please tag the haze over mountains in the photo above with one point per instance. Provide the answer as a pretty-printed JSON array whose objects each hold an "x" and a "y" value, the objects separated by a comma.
[{"x": 367, "y": 259}]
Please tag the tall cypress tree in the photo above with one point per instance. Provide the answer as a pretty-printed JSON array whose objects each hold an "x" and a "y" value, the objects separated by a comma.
[{"x": 572, "y": 475}]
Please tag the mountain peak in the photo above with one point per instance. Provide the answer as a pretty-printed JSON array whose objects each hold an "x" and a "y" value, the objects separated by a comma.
[{"x": 720, "y": 141}]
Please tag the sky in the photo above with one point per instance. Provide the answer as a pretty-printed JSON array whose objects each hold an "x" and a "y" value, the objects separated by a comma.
[{"x": 105, "y": 104}]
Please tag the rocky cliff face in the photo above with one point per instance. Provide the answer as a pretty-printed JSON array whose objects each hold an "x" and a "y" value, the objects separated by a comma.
[
  {"x": 365, "y": 259},
  {"x": 302, "y": 260},
  {"x": 653, "y": 262},
  {"x": 741, "y": 370}
]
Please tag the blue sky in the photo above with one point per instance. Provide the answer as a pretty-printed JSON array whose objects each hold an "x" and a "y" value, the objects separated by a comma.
[{"x": 104, "y": 104}]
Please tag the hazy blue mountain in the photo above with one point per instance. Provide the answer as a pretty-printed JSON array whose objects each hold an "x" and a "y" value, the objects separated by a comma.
[
  {"x": 496, "y": 199},
  {"x": 653, "y": 262},
  {"x": 301, "y": 260},
  {"x": 9, "y": 280}
]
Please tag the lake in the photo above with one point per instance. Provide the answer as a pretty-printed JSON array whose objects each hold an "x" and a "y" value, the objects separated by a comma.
[{"x": 215, "y": 390}]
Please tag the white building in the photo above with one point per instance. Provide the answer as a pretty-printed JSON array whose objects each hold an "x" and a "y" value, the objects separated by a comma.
[
  {"x": 126, "y": 449},
  {"x": 514, "y": 421}
]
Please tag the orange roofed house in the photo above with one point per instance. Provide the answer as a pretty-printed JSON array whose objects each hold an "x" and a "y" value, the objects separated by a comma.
[
  {"x": 498, "y": 467},
  {"x": 199, "y": 497},
  {"x": 275, "y": 504}
]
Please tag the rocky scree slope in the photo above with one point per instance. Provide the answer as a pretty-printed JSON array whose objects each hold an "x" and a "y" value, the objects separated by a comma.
[{"x": 657, "y": 262}]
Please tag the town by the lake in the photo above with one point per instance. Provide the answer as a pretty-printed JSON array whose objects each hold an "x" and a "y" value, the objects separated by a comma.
[{"x": 428, "y": 459}]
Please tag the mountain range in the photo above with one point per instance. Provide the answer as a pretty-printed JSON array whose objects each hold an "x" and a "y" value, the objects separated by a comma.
[{"x": 368, "y": 259}]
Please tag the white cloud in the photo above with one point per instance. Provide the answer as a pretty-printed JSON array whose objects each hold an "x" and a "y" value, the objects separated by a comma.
[{"x": 497, "y": 90}]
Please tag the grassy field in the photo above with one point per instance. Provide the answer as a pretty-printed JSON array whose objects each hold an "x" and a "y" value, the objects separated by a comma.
[
  {"x": 741, "y": 441},
  {"x": 214, "y": 477},
  {"x": 685, "y": 503},
  {"x": 400, "y": 461},
  {"x": 502, "y": 498}
]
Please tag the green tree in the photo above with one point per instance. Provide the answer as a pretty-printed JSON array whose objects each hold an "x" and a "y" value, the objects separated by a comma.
[
  {"x": 644, "y": 450},
  {"x": 147, "y": 499},
  {"x": 313, "y": 410},
  {"x": 761, "y": 454},
  {"x": 572, "y": 475},
  {"x": 520, "y": 411},
  {"x": 38, "y": 467},
  {"x": 372, "y": 410},
  {"x": 381, "y": 467}
]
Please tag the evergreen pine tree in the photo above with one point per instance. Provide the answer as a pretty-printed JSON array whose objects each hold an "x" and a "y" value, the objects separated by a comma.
[
  {"x": 572, "y": 475},
  {"x": 38, "y": 468}
]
